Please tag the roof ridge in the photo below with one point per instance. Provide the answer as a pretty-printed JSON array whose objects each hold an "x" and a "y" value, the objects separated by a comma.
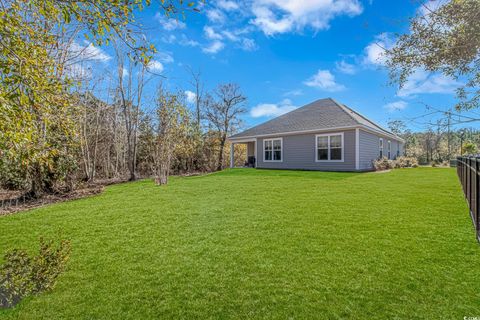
[
  {"x": 371, "y": 121},
  {"x": 343, "y": 106}
]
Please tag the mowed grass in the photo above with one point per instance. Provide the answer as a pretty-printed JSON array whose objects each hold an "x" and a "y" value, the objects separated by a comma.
[{"x": 248, "y": 244}]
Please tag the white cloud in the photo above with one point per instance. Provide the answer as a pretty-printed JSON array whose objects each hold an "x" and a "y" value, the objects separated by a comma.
[
  {"x": 170, "y": 39},
  {"x": 248, "y": 44},
  {"x": 191, "y": 96},
  {"x": 211, "y": 34},
  {"x": 124, "y": 72},
  {"x": 185, "y": 41},
  {"x": 421, "y": 82},
  {"x": 265, "y": 19},
  {"x": 169, "y": 24},
  {"x": 324, "y": 80},
  {"x": 395, "y": 106},
  {"x": 216, "y": 16},
  {"x": 165, "y": 57},
  {"x": 227, "y": 5},
  {"x": 234, "y": 21},
  {"x": 345, "y": 67},
  {"x": 375, "y": 51},
  {"x": 230, "y": 35},
  {"x": 214, "y": 47},
  {"x": 296, "y": 92},
  {"x": 280, "y": 16},
  {"x": 155, "y": 66},
  {"x": 271, "y": 109},
  {"x": 88, "y": 52}
]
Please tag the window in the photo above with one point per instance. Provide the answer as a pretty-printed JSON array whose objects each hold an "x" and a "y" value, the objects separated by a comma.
[
  {"x": 329, "y": 147},
  {"x": 272, "y": 149},
  {"x": 381, "y": 148},
  {"x": 335, "y": 147},
  {"x": 322, "y": 148},
  {"x": 389, "y": 148}
]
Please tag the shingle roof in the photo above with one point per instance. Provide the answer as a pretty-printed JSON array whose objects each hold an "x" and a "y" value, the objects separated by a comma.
[{"x": 318, "y": 115}]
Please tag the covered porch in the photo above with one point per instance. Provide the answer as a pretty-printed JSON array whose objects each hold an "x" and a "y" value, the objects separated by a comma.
[{"x": 244, "y": 159}]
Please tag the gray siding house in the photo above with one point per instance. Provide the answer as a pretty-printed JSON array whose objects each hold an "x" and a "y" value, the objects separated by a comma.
[{"x": 323, "y": 135}]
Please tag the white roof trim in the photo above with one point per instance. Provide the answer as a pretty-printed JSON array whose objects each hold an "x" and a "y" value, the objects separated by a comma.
[
  {"x": 243, "y": 140},
  {"x": 364, "y": 127},
  {"x": 293, "y": 132}
]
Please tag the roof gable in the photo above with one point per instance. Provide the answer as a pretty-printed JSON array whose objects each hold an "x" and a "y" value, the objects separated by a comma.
[{"x": 319, "y": 115}]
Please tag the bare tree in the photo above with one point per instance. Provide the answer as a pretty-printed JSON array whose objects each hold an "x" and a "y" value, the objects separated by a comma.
[
  {"x": 129, "y": 100},
  {"x": 197, "y": 85},
  {"x": 90, "y": 128},
  {"x": 223, "y": 112},
  {"x": 172, "y": 125},
  {"x": 197, "y": 160}
]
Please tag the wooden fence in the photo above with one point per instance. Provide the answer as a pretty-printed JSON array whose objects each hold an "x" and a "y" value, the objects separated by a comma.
[{"x": 468, "y": 170}]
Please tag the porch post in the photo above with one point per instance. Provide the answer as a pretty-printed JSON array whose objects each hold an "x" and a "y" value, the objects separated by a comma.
[
  {"x": 232, "y": 160},
  {"x": 255, "y": 151}
]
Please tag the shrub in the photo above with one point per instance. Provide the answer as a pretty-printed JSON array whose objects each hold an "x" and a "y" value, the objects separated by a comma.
[
  {"x": 15, "y": 278},
  {"x": 400, "y": 162},
  {"x": 383, "y": 164},
  {"x": 22, "y": 275},
  {"x": 440, "y": 163},
  {"x": 406, "y": 162}
]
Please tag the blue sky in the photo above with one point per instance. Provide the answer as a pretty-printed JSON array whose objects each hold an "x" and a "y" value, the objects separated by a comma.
[{"x": 287, "y": 53}]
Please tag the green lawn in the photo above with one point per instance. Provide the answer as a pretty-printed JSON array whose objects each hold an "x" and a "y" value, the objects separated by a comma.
[{"x": 261, "y": 244}]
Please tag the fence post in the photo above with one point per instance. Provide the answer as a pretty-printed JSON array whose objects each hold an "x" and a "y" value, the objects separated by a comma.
[
  {"x": 469, "y": 177},
  {"x": 470, "y": 194},
  {"x": 461, "y": 171},
  {"x": 474, "y": 189},
  {"x": 472, "y": 186},
  {"x": 477, "y": 197}
]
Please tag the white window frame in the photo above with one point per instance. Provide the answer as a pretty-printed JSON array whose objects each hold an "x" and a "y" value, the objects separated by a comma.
[
  {"x": 281, "y": 149},
  {"x": 389, "y": 149},
  {"x": 329, "y": 135},
  {"x": 380, "y": 148}
]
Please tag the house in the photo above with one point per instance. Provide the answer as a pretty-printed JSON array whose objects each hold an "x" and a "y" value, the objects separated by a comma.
[{"x": 323, "y": 135}]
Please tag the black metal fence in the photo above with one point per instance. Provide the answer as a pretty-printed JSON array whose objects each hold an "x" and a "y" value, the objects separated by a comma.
[{"x": 468, "y": 170}]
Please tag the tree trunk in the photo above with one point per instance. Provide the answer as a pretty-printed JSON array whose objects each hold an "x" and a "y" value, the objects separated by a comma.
[
  {"x": 131, "y": 165},
  {"x": 220, "y": 156},
  {"x": 36, "y": 188},
  {"x": 163, "y": 172},
  {"x": 130, "y": 158}
]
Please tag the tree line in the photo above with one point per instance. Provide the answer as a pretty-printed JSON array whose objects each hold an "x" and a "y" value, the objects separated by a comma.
[
  {"x": 436, "y": 144},
  {"x": 57, "y": 131},
  {"x": 123, "y": 140},
  {"x": 127, "y": 139}
]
